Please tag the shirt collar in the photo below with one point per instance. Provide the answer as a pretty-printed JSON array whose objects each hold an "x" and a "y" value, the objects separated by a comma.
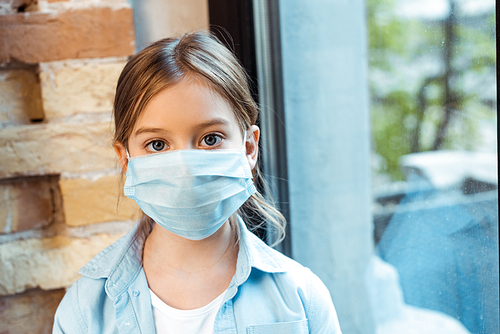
[
  {"x": 254, "y": 253},
  {"x": 121, "y": 261},
  {"x": 118, "y": 263}
]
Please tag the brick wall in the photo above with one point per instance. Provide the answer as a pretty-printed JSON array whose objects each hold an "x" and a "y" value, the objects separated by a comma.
[{"x": 60, "y": 185}]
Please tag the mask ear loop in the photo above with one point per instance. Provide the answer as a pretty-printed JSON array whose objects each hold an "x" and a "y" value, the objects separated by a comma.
[{"x": 128, "y": 156}]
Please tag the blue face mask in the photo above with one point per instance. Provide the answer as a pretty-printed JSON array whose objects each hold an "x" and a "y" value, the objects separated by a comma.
[{"x": 190, "y": 192}]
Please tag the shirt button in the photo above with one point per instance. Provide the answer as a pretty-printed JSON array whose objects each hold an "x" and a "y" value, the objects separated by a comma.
[{"x": 136, "y": 293}]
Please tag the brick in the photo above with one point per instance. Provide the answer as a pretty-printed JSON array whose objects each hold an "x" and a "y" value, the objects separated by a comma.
[
  {"x": 20, "y": 96},
  {"x": 48, "y": 263},
  {"x": 54, "y": 148},
  {"x": 14, "y": 6},
  {"x": 75, "y": 33},
  {"x": 27, "y": 203},
  {"x": 74, "y": 87},
  {"x": 94, "y": 201},
  {"x": 31, "y": 312}
]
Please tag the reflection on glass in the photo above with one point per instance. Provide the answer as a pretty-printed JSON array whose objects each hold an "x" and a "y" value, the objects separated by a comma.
[{"x": 433, "y": 88}]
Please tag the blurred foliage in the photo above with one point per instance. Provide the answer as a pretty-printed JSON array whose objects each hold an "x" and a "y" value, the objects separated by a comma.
[{"x": 419, "y": 94}]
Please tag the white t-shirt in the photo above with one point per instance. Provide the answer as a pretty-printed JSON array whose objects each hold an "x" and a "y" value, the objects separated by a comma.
[{"x": 169, "y": 320}]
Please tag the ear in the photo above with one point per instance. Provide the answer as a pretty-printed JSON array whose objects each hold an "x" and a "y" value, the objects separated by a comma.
[
  {"x": 252, "y": 145},
  {"x": 121, "y": 151}
]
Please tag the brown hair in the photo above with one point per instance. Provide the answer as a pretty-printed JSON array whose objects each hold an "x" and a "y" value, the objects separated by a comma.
[{"x": 167, "y": 62}]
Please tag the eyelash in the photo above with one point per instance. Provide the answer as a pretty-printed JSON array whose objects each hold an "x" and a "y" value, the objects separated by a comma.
[
  {"x": 153, "y": 141},
  {"x": 219, "y": 136}
]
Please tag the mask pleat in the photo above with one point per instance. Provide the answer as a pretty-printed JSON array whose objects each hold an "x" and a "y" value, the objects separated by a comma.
[{"x": 190, "y": 193}]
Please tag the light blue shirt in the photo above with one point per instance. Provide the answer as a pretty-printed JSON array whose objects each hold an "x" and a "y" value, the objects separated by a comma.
[{"x": 269, "y": 293}]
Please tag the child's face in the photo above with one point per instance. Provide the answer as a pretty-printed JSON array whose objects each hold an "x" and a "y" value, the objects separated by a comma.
[{"x": 188, "y": 115}]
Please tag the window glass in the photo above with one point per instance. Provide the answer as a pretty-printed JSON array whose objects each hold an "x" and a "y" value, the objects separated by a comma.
[{"x": 432, "y": 71}]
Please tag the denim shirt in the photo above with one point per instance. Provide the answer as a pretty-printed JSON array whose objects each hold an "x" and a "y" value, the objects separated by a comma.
[{"x": 269, "y": 293}]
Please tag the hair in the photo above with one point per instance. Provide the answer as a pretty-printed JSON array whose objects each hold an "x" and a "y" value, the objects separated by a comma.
[{"x": 168, "y": 62}]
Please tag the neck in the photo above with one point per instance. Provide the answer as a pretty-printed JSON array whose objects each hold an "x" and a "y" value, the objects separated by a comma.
[{"x": 165, "y": 251}]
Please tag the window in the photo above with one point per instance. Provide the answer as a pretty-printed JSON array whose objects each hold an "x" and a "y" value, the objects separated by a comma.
[{"x": 433, "y": 93}]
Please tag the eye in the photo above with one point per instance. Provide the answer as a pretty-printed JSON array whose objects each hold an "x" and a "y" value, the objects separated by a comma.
[
  {"x": 156, "y": 146},
  {"x": 211, "y": 140}
]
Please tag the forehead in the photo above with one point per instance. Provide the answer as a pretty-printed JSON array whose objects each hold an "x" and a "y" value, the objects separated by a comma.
[{"x": 187, "y": 102}]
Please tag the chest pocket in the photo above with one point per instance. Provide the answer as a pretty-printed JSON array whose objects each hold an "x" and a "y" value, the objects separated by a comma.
[{"x": 293, "y": 327}]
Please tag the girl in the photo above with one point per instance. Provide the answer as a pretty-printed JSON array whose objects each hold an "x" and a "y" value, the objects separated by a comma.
[{"x": 187, "y": 141}]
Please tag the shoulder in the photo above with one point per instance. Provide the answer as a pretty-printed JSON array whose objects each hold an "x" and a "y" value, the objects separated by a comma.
[
  {"x": 87, "y": 306},
  {"x": 295, "y": 284},
  {"x": 84, "y": 301},
  {"x": 315, "y": 296},
  {"x": 321, "y": 313},
  {"x": 311, "y": 289},
  {"x": 268, "y": 260}
]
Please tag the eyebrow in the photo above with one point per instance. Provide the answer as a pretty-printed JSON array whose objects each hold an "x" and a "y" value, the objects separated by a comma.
[
  {"x": 212, "y": 122},
  {"x": 215, "y": 121},
  {"x": 148, "y": 130}
]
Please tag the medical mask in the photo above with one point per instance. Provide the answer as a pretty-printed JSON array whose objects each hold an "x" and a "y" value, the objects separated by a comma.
[{"x": 190, "y": 192}]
